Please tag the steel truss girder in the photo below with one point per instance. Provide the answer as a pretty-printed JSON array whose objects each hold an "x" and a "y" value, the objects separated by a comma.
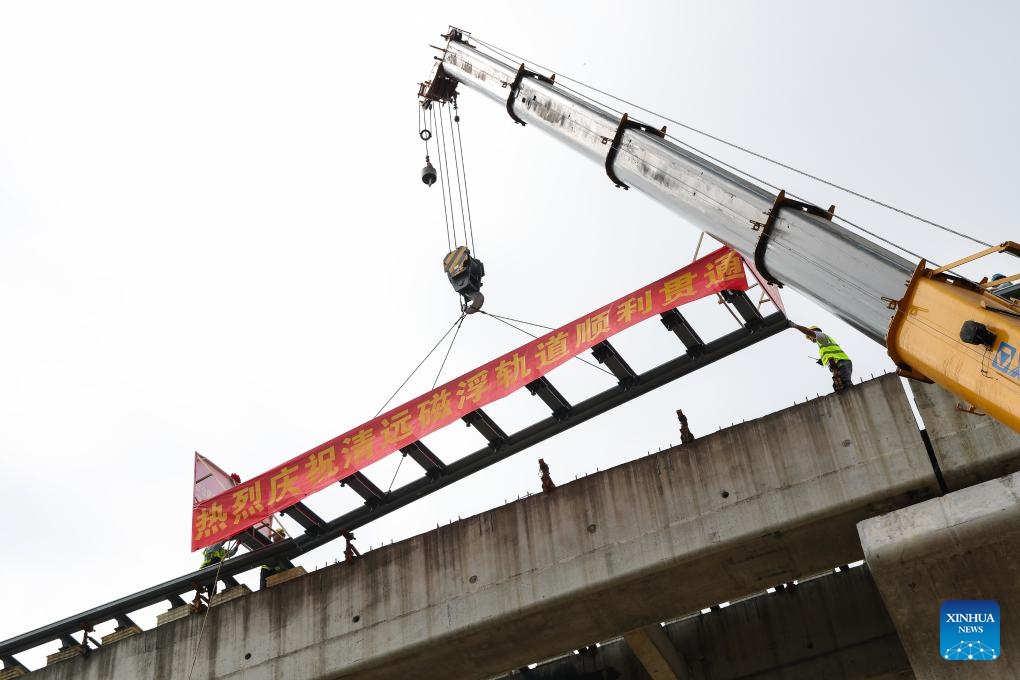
[{"x": 319, "y": 535}]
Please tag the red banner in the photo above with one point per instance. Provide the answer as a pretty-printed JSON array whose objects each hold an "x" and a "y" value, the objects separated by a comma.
[{"x": 251, "y": 502}]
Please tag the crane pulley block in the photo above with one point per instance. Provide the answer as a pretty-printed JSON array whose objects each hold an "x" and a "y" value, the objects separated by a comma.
[{"x": 465, "y": 274}]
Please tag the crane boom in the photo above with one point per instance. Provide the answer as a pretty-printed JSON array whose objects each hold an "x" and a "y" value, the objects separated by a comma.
[
  {"x": 937, "y": 326},
  {"x": 798, "y": 250}
]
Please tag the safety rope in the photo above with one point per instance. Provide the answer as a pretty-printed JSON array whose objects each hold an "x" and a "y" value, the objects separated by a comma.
[{"x": 205, "y": 618}]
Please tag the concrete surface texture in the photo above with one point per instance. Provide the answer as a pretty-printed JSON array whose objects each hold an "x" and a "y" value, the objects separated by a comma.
[
  {"x": 970, "y": 448},
  {"x": 962, "y": 546},
  {"x": 834, "y": 626},
  {"x": 761, "y": 503}
]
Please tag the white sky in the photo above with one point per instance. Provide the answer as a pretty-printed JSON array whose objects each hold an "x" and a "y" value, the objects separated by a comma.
[{"x": 213, "y": 237}]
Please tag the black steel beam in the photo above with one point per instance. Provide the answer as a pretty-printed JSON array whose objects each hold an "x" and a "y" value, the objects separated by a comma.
[
  {"x": 304, "y": 516},
  {"x": 292, "y": 547},
  {"x": 534, "y": 434},
  {"x": 674, "y": 321},
  {"x": 10, "y": 663},
  {"x": 488, "y": 428},
  {"x": 606, "y": 354},
  {"x": 556, "y": 402},
  {"x": 124, "y": 621},
  {"x": 745, "y": 308},
  {"x": 424, "y": 457},
  {"x": 364, "y": 487},
  {"x": 251, "y": 539}
]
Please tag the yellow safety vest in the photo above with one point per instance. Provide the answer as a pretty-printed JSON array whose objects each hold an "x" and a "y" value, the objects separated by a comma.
[
  {"x": 217, "y": 554},
  {"x": 830, "y": 350}
]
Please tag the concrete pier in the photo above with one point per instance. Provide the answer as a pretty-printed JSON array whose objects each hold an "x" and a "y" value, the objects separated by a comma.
[
  {"x": 969, "y": 447},
  {"x": 963, "y": 546}
]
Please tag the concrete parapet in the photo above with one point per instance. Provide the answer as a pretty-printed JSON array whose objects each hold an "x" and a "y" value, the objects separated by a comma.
[
  {"x": 229, "y": 594},
  {"x": 969, "y": 448},
  {"x": 175, "y": 614},
  {"x": 284, "y": 576},
  {"x": 120, "y": 634},
  {"x": 962, "y": 546},
  {"x": 64, "y": 654}
]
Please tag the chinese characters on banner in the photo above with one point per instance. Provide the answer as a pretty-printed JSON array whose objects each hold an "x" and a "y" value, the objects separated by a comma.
[{"x": 242, "y": 506}]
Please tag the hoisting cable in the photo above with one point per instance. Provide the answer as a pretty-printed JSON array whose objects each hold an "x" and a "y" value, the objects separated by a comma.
[
  {"x": 456, "y": 168},
  {"x": 467, "y": 198},
  {"x": 426, "y": 135},
  {"x": 526, "y": 323},
  {"x": 443, "y": 185},
  {"x": 456, "y": 324},
  {"x": 763, "y": 157},
  {"x": 459, "y": 323},
  {"x": 503, "y": 320},
  {"x": 395, "y": 472},
  {"x": 434, "y": 347}
]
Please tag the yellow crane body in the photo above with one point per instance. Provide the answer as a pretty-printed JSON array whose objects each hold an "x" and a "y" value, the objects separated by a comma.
[{"x": 930, "y": 338}]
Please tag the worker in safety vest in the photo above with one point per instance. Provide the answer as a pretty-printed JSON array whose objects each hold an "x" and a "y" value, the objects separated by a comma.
[
  {"x": 274, "y": 565},
  {"x": 217, "y": 552},
  {"x": 830, "y": 355}
]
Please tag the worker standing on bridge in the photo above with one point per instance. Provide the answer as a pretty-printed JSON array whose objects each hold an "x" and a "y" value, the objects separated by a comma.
[
  {"x": 686, "y": 436},
  {"x": 215, "y": 553},
  {"x": 273, "y": 565},
  {"x": 830, "y": 355}
]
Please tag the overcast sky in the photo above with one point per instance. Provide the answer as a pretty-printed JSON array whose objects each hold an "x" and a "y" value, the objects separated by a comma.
[{"x": 214, "y": 238}]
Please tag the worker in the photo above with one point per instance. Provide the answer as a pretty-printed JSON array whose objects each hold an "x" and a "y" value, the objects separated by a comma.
[
  {"x": 543, "y": 472},
  {"x": 274, "y": 565},
  {"x": 686, "y": 436},
  {"x": 268, "y": 570},
  {"x": 213, "y": 554},
  {"x": 830, "y": 355}
]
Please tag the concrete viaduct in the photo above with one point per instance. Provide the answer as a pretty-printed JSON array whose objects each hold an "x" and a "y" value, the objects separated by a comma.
[{"x": 619, "y": 574}]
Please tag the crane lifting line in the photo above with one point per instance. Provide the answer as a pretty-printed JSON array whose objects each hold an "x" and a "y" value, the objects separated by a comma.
[
  {"x": 443, "y": 171},
  {"x": 506, "y": 320},
  {"x": 426, "y": 135},
  {"x": 450, "y": 142},
  {"x": 510, "y": 55}
]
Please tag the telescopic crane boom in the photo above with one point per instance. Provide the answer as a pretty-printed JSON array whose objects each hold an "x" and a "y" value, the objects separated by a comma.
[{"x": 936, "y": 325}]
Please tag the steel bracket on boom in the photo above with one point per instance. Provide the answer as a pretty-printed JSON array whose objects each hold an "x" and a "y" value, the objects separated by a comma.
[
  {"x": 515, "y": 88},
  {"x": 442, "y": 88},
  {"x": 625, "y": 124},
  {"x": 766, "y": 229}
]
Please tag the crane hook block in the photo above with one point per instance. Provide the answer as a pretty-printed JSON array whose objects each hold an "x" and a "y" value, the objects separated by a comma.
[{"x": 465, "y": 274}]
